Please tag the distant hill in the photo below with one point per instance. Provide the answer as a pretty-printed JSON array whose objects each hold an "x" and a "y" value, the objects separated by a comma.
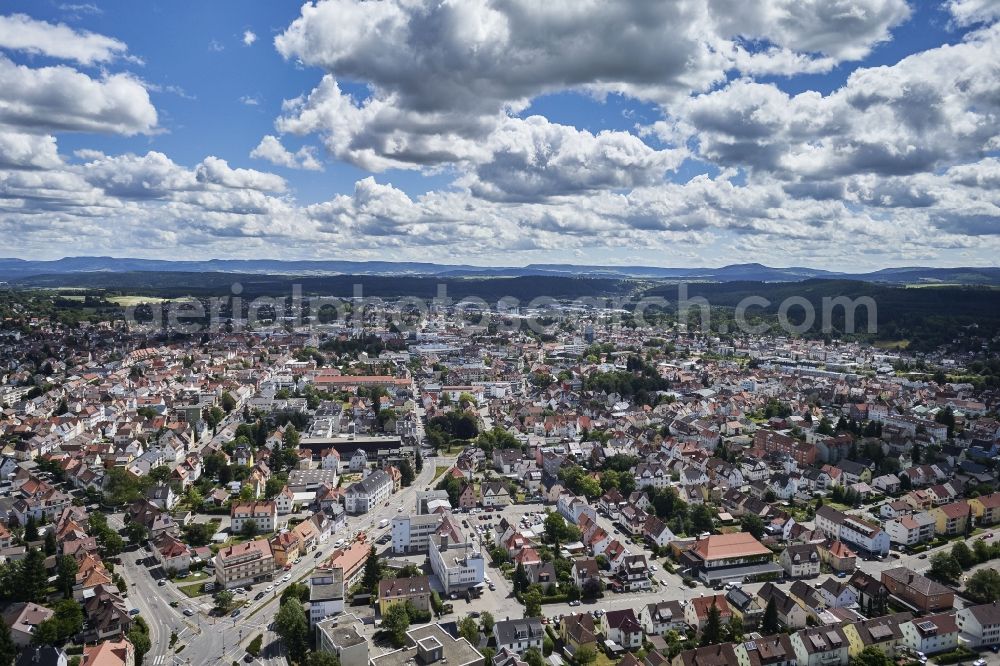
[{"x": 17, "y": 270}]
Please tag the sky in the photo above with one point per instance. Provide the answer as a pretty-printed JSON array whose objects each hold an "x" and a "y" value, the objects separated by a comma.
[{"x": 837, "y": 134}]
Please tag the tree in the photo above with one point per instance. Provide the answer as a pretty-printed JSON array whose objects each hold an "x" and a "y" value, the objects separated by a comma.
[
  {"x": 66, "y": 576},
  {"x": 945, "y": 568},
  {"x": 984, "y": 586},
  {"x": 223, "y": 600},
  {"x": 228, "y": 402},
  {"x": 584, "y": 655},
  {"x": 533, "y": 657},
  {"x": 520, "y": 580},
  {"x": 701, "y": 519},
  {"x": 712, "y": 633},
  {"x": 136, "y": 532},
  {"x": 871, "y": 656},
  {"x": 486, "y": 621},
  {"x": 291, "y": 624},
  {"x": 555, "y": 526},
  {"x": 769, "y": 624},
  {"x": 298, "y": 591},
  {"x": 50, "y": 542},
  {"x": 395, "y": 622},
  {"x": 469, "y": 630},
  {"x": 250, "y": 527},
  {"x": 30, "y": 530},
  {"x": 963, "y": 555},
  {"x": 8, "y": 651},
  {"x": 322, "y": 659},
  {"x": 734, "y": 630},
  {"x": 33, "y": 579},
  {"x": 406, "y": 472},
  {"x": 138, "y": 635},
  {"x": 372, "y": 573},
  {"x": 752, "y": 524},
  {"x": 532, "y": 603}
]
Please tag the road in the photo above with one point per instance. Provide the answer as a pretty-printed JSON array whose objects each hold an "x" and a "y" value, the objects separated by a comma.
[{"x": 208, "y": 639}]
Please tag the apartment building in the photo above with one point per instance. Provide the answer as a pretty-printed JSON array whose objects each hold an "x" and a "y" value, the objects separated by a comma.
[
  {"x": 458, "y": 563},
  {"x": 368, "y": 493},
  {"x": 857, "y": 533},
  {"x": 412, "y": 534},
  {"x": 263, "y": 514},
  {"x": 244, "y": 564}
]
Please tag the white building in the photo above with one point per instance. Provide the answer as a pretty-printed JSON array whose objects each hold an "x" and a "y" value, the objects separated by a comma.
[
  {"x": 368, "y": 493},
  {"x": 456, "y": 562},
  {"x": 412, "y": 534}
]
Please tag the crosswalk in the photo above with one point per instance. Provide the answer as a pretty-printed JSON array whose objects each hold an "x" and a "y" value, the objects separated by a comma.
[{"x": 158, "y": 659}]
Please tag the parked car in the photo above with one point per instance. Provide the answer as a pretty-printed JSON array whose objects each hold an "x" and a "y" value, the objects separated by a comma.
[
  {"x": 235, "y": 613},
  {"x": 188, "y": 612},
  {"x": 161, "y": 582},
  {"x": 260, "y": 595},
  {"x": 575, "y": 602}
]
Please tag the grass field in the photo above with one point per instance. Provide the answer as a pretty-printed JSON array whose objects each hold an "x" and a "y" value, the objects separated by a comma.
[
  {"x": 129, "y": 301},
  {"x": 438, "y": 471},
  {"x": 192, "y": 591}
]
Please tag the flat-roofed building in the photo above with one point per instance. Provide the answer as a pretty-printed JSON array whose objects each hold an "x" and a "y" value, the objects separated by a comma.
[
  {"x": 430, "y": 644},
  {"x": 340, "y": 636},
  {"x": 412, "y": 534}
]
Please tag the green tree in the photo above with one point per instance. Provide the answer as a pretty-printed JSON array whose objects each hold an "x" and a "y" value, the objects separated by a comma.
[
  {"x": 945, "y": 568},
  {"x": 136, "y": 532},
  {"x": 712, "y": 633},
  {"x": 322, "y": 659},
  {"x": 228, "y": 402},
  {"x": 66, "y": 575},
  {"x": 292, "y": 625},
  {"x": 769, "y": 623},
  {"x": 487, "y": 622},
  {"x": 406, "y": 472},
  {"x": 520, "y": 579},
  {"x": 532, "y": 603},
  {"x": 584, "y": 655},
  {"x": 963, "y": 555},
  {"x": 701, "y": 518},
  {"x": 533, "y": 657},
  {"x": 734, "y": 630},
  {"x": 50, "y": 542},
  {"x": 298, "y": 591},
  {"x": 469, "y": 630},
  {"x": 871, "y": 656},
  {"x": 250, "y": 527},
  {"x": 30, "y": 530},
  {"x": 33, "y": 579},
  {"x": 752, "y": 524},
  {"x": 138, "y": 635},
  {"x": 373, "y": 573},
  {"x": 8, "y": 651},
  {"x": 555, "y": 527},
  {"x": 223, "y": 600},
  {"x": 395, "y": 622},
  {"x": 984, "y": 586}
]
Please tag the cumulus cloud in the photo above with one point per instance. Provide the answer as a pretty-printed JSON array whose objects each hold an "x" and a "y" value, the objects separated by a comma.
[
  {"x": 60, "y": 98},
  {"x": 217, "y": 171},
  {"x": 271, "y": 149},
  {"x": 971, "y": 12},
  {"x": 931, "y": 108},
  {"x": 249, "y": 37},
  {"x": 442, "y": 75},
  {"x": 19, "y": 32},
  {"x": 28, "y": 151}
]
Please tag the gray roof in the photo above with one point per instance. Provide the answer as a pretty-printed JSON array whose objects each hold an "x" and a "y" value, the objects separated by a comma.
[{"x": 508, "y": 631}]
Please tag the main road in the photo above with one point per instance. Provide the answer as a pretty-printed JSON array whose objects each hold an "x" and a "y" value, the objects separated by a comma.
[{"x": 208, "y": 639}]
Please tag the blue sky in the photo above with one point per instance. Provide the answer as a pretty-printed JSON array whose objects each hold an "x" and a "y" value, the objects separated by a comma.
[{"x": 767, "y": 130}]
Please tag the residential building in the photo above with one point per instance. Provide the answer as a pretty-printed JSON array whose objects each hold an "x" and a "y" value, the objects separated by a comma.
[
  {"x": 932, "y": 633},
  {"x": 340, "y": 636},
  {"x": 577, "y": 631},
  {"x": 622, "y": 627},
  {"x": 326, "y": 593},
  {"x": 412, "y": 534},
  {"x": 415, "y": 590},
  {"x": 431, "y": 644},
  {"x": 458, "y": 563},
  {"x": 979, "y": 626},
  {"x": 821, "y": 646},
  {"x": 917, "y": 591},
  {"x": 109, "y": 653},
  {"x": 723, "y": 654},
  {"x": 369, "y": 492},
  {"x": 853, "y": 531},
  {"x": 518, "y": 636},
  {"x": 800, "y": 561},
  {"x": 767, "y": 651},
  {"x": 244, "y": 564},
  {"x": 263, "y": 514}
]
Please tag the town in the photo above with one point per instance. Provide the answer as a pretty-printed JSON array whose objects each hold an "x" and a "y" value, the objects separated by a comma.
[{"x": 488, "y": 495}]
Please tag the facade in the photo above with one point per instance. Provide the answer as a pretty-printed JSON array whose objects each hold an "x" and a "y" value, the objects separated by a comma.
[
  {"x": 412, "y": 534},
  {"x": 263, "y": 514},
  {"x": 518, "y": 636},
  {"x": 459, "y": 566},
  {"x": 979, "y": 626},
  {"x": 800, "y": 561},
  {"x": 416, "y": 590},
  {"x": 767, "y": 651},
  {"x": 918, "y": 591},
  {"x": 931, "y": 634},
  {"x": 857, "y": 533},
  {"x": 326, "y": 593},
  {"x": 821, "y": 646},
  {"x": 244, "y": 564},
  {"x": 368, "y": 493}
]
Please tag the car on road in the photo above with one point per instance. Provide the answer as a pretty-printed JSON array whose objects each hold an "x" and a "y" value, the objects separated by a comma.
[
  {"x": 161, "y": 582},
  {"x": 260, "y": 595},
  {"x": 318, "y": 555},
  {"x": 287, "y": 577},
  {"x": 269, "y": 588},
  {"x": 134, "y": 611},
  {"x": 493, "y": 587},
  {"x": 248, "y": 658},
  {"x": 575, "y": 602},
  {"x": 188, "y": 612},
  {"x": 474, "y": 614},
  {"x": 922, "y": 556},
  {"x": 235, "y": 613}
]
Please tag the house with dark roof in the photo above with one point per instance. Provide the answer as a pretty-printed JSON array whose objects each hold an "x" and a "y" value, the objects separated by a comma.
[
  {"x": 917, "y": 591},
  {"x": 800, "y": 561},
  {"x": 518, "y": 636}
]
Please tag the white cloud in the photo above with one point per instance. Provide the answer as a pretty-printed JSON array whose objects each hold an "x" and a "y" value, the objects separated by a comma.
[
  {"x": 971, "y": 12},
  {"x": 217, "y": 171},
  {"x": 28, "y": 151},
  {"x": 270, "y": 149},
  {"x": 19, "y": 32},
  {"x": 50, "y": 99},
  {"x": 935, "y": 107},
  {"x": 249, "y": 37},
  {"x": 216, "y": 46},
  {"x": 250, "y": 100}
]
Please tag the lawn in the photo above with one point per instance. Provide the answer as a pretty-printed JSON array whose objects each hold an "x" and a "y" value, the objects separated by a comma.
[
  {"x": 192, "y": 591},
  {"x": 438, "y": 471},
  {"x": 603, "y": 659}
]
